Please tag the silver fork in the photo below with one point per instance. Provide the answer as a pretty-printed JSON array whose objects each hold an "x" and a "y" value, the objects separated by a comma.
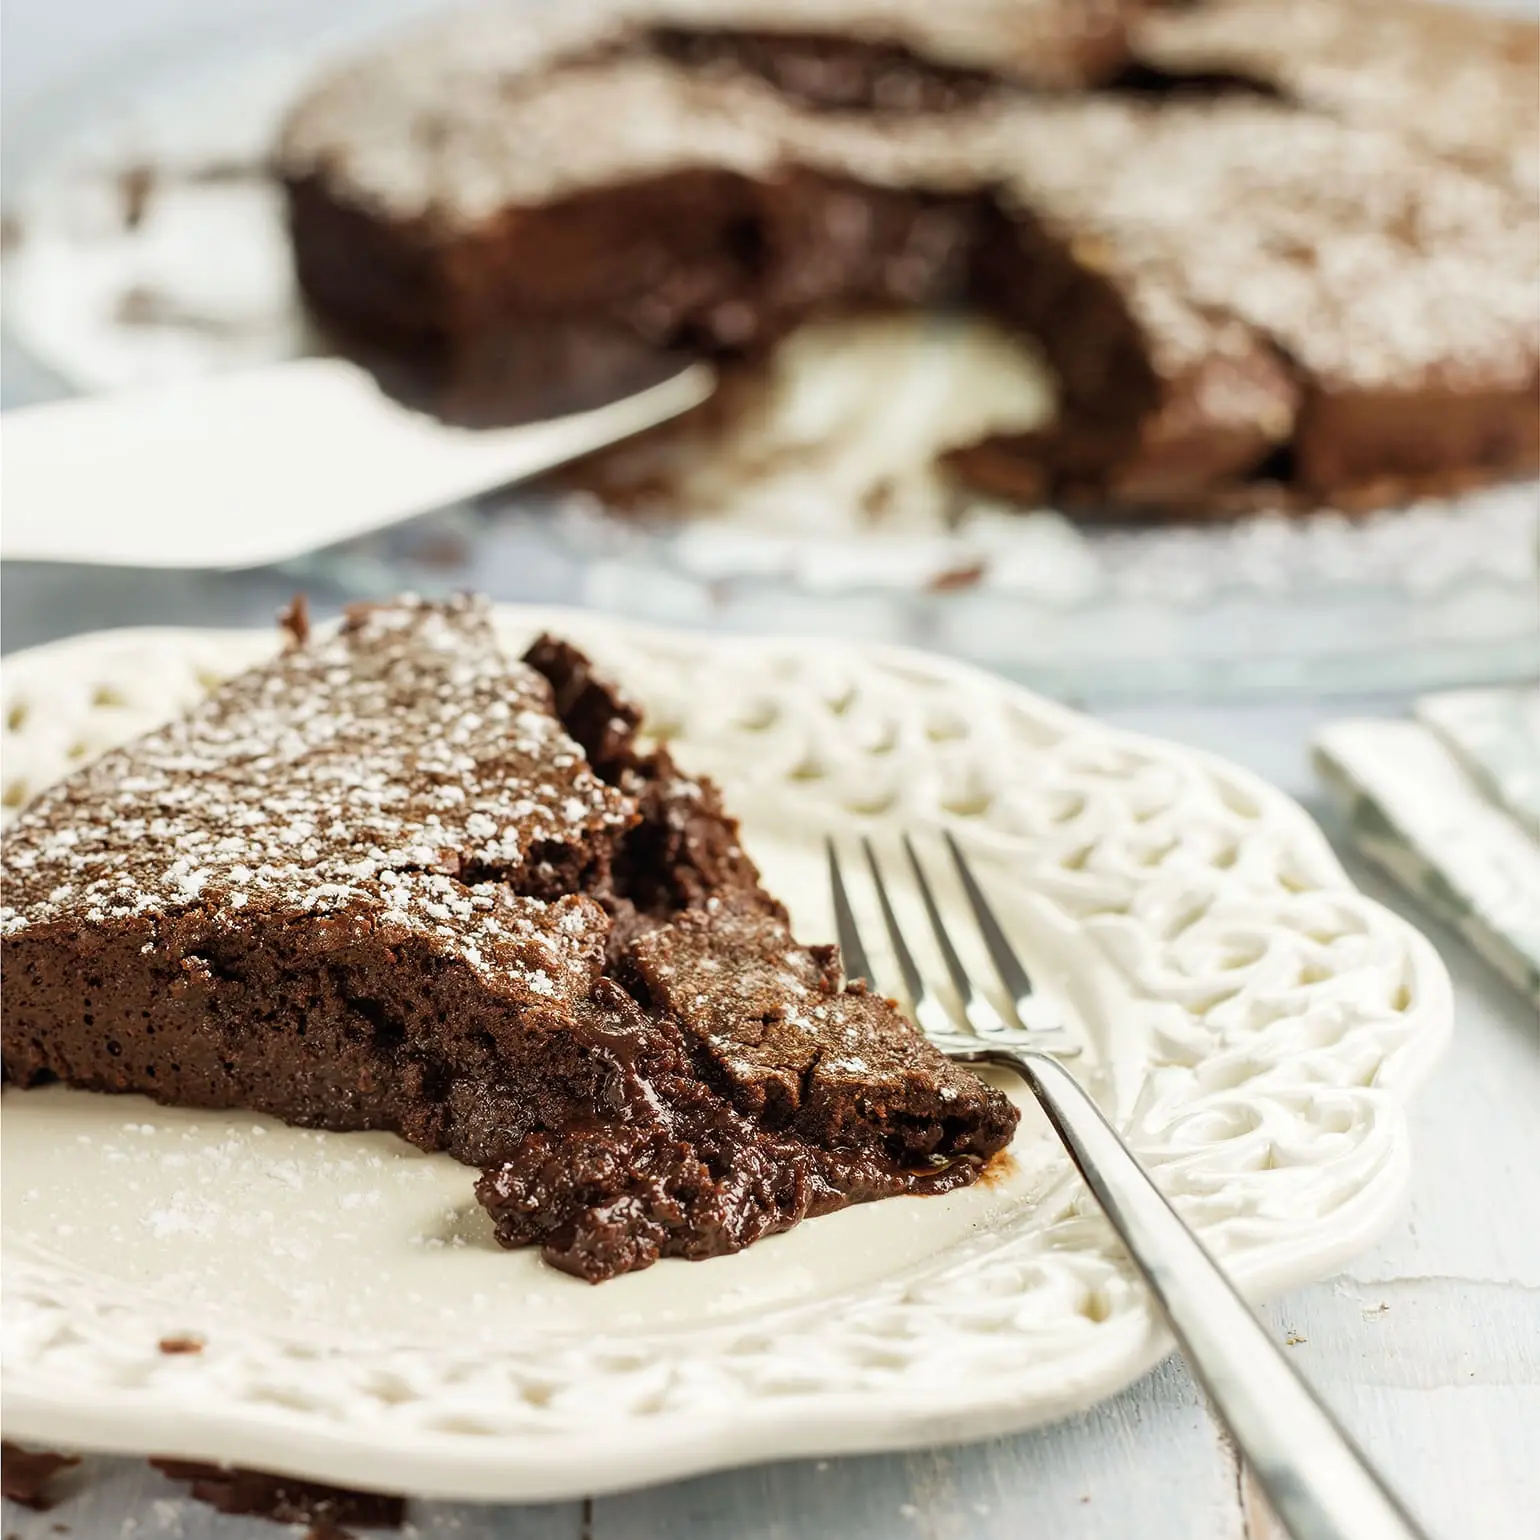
[{"x": 1319, "y": 1483}]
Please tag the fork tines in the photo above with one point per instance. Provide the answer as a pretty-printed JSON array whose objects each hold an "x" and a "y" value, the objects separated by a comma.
[{"x": 976, "y": 1015}]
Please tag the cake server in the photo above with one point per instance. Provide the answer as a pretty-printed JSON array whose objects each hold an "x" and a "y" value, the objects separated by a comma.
[
  {"x": 1318, "y": 1481},
  {"x": 246, "y": 469}
]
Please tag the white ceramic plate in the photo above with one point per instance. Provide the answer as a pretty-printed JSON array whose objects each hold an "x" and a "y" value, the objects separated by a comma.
[{"x": 1253, "y": 1023}]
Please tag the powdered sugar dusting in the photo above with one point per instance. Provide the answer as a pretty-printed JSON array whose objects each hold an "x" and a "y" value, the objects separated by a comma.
[
  {"x": 398, "y": 763},
  {"x": 1463, "y": 84}
]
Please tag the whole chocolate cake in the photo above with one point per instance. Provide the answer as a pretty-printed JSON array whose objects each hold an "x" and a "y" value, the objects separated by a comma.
[
  {"x": 396, "y": 880},
  {"x": 1262, "y": 273}
]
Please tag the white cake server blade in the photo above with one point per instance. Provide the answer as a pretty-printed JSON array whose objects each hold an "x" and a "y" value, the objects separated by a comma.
[{"x": 247, "y": 469}]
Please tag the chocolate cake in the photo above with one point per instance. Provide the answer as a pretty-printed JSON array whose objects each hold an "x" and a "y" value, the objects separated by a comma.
[
  {"x": 1258, "y": 284},
  {"x": 394, "y": 880}
]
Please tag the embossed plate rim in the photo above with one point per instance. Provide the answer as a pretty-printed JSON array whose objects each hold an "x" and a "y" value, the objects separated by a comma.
[{"x": 61, "y": 1362}]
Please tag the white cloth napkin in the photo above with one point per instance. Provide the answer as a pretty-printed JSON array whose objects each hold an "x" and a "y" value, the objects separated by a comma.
[{"x": 1449, "y": 805}]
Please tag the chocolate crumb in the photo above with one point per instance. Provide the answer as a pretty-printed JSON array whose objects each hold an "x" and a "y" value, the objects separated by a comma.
[
  {"x": 295, "y": 619},
  {"x": 877, "y": 500},
  {"x": 1000, "y": 1167},
  {"x": 220, "y": 173},
  {"x": 955, "y": 578},
  {"x": 139, "y": 306},
  {"x": 25, "y": 1474},
  {"x": 137, "y": 185},
  {"x": 326, "y": 1530},
  {"x": 183, "y": 1344},
  {"x": 442, "y": 549},
  {"x": 285, "y": 1499}
]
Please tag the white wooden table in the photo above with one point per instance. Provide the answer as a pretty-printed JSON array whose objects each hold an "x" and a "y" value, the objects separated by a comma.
[{"x": 1428, "y": 1346}]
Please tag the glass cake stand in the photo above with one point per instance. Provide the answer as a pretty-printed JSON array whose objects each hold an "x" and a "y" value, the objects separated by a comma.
[
  {"x": 1264, "y": 607},
  {"x": 146, "y": 244}
]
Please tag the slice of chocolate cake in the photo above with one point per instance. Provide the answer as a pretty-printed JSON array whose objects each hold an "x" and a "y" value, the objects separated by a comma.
[
  {"x": 394, "y": 880},
  {"x": 1251, "y": 295}
]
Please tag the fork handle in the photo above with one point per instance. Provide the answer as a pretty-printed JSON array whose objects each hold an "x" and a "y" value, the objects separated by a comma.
[{"x": 1318, "y": 1482}]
